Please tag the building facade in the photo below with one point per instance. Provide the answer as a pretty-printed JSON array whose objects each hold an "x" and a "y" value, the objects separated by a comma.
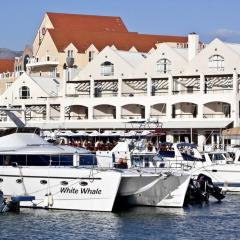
[{"x": 192, "y": 88}]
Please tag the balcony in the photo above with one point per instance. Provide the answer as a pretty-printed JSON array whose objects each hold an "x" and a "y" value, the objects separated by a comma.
[
  {"x": 39, "y": 62},
  {"x": 7, "y": 75}
]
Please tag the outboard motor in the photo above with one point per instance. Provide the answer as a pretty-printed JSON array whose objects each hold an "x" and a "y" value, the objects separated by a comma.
[
  {"x": 207, "y": 185},
  {"x": 199, "y": 190},
  {"x": 195, "y": 194}
]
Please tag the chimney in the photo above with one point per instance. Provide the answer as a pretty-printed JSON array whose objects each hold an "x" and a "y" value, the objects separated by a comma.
[{"x": 193, "y": 44}]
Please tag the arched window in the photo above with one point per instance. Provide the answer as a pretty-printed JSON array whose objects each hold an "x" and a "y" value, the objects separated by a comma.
[
  {"x": 107, "y": 69},
  {"x": 24, "y": 92},
  {"x": 164, "y": 66},
  {"x": 216, "y": 62}
]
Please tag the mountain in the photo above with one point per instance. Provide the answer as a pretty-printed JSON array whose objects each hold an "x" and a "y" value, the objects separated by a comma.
[{"x": 9, "y": 54}]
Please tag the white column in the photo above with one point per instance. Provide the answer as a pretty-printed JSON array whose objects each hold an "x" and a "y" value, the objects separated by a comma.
[
  {"x": 90, "y": 112},
  {"x": 235, "y": 83},
  {"x": 23, "y": 114},
  {"x": 169, "y": 111},
  {"x": 91, "y": 88},
  {"x": 235, "y": 101},
  {"x": 62, "y": 112},
  {"x": 218, "y": 141},
  {"x": 120, "y": 87},
  {"x": 149, "y": 86},
  {"x": 47, "y": 111},
  {"x": 202, "y": 83},
  {"x": 147, "y": 112},
  {"x": 118, "y": 112},
  {"x": 64, "y": 80},
  {"x": 170, "y": 85},
  {"x": 200, "y": 111},
  {"x": 201, "y": 140},
  {"x": 212, "y": 140}
]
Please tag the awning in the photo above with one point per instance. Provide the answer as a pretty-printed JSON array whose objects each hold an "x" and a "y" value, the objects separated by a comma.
[
  {"x": 231, "y": 132},
  {"x": 205, "y": 124}
]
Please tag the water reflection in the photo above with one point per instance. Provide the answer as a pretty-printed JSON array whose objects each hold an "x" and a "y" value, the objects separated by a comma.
[{"x": 214, "y": 220}]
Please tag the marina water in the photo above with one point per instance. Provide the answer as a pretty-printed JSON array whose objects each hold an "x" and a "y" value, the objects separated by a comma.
[{"x": 209, "y": 221}]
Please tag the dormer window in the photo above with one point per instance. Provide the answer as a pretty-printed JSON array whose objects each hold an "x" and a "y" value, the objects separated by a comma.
[
  {"x": 164, "y": 66},
  {"x": 216, "y": 62},
  {"x": 107, "y": 69},
  {"x": 70, "y": 53},
  {"x": 90, "y": 56},
  {"x": 24, "y": 92}
]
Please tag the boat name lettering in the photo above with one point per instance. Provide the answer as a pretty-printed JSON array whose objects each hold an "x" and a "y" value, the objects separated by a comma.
[{"x": 82, "y": 190}]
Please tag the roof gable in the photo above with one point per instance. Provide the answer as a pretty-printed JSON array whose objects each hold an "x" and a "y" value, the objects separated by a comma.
[
  {"x": 124, "y": 65},
  {"x": 163, "y": 51},
  {"x": 200, "y": 62},
  {"x": 122, "y": 41}
]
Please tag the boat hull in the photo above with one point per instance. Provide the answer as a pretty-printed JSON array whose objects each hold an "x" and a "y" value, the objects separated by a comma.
[
  {"x": 62, "y": 188},
  {"x": 159, "y": 190}
]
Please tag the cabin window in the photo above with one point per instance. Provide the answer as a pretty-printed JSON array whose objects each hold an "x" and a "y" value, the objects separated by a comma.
[
  {"x": 36, "y": 160},
  {"x": 62, "y": 160},
  {"x": 43, "y": 181},
  {"x": 64, "y": 183},
  {"x": 216, "y": 62},
  {"x": 107, "y": 69},
  {"x": 164, "y": 66},
  {"x": 218, "y": 157},
  {"x": 24, "y": 92},
  {"x": 82, "y": 183},
  {"x": 19, "y": 180}
]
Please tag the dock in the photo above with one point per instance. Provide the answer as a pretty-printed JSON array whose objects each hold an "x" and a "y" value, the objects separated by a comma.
[{"x": 10, "y": 203}]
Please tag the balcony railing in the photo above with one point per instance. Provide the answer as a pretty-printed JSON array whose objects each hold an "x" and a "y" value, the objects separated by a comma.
[
  {"x": 134, "y": 94},
  {"x": 137, "y": 116},
  {"x": 222, "y": 90},
  {"x": 158, "y": 115},
  {"x": 79, "y": 117},
  {"x": 86, "y": 95},
  {"x": 102, "y": 94},
  {"x": 159, "y": 93},
  {"x": 184, "y": 115},
  {"x": 175, "y": 92},
  {"x": 30, "y": 118},
  {"x": 54, "y": 118},
  {"x": 216, "y": 115},
  {"x": 42, "y": 61},
  {"x": 104, "y": 117},
  {"x": 7, "y": 75}
]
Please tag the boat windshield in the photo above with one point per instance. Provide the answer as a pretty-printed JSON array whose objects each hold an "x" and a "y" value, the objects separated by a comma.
[
  {"x": 143, "y": 160},
  {"x": 45, "y": 160},
  {"x": 166, "y": 150}
]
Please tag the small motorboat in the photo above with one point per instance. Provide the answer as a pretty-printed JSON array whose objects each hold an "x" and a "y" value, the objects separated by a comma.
[{"x": 3, "y": 205}]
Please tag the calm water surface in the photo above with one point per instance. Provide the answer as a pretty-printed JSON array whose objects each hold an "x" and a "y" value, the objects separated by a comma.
[{"x": 211, "y": 221}]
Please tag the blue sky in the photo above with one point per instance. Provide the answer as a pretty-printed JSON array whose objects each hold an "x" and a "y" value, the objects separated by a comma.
[{"x": 19, "y": 19}]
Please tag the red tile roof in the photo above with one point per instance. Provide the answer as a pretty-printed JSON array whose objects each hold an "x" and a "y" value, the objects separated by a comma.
[
  {"x": 6, "y": 65},
  {"x": 122, "y": 41},
  {"x": 85, "y": 22},
  {"x": 101, "y": 31}
]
